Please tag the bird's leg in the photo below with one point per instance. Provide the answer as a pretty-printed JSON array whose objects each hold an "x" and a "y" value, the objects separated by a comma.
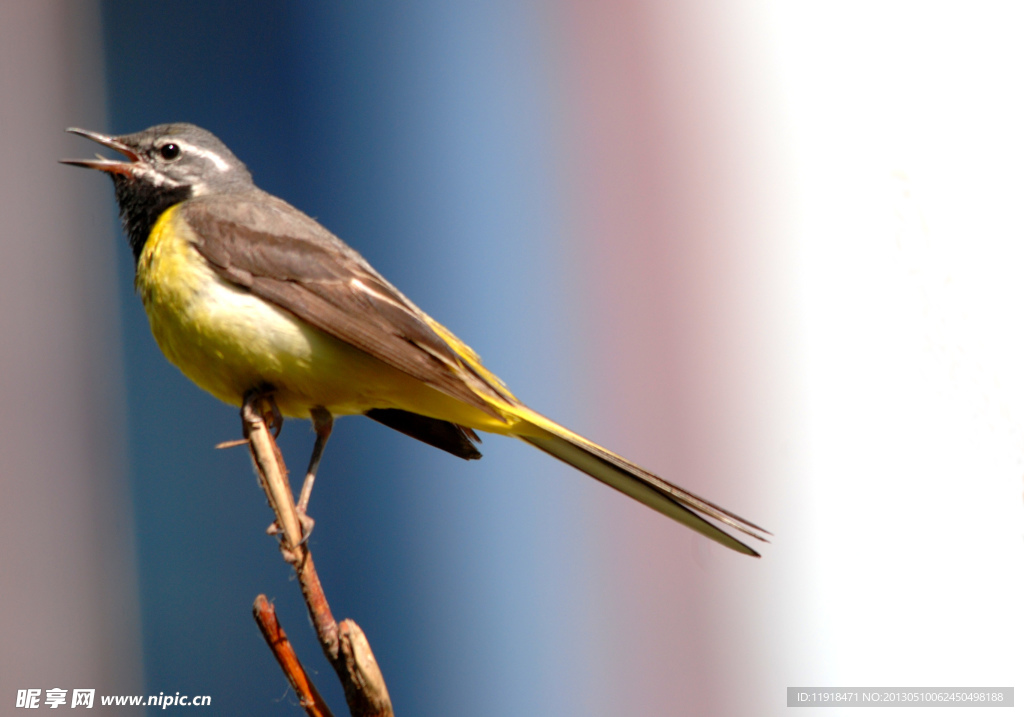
[
  {"x": 268, "y": 411},
  {"x": 323, "y": 422},
  {"x": 262, "y": 400},
  {"x": 276, "y": 420}
]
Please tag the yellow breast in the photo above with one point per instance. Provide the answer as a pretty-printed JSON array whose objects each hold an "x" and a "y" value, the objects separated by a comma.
[{"x": 229, "y": 341}]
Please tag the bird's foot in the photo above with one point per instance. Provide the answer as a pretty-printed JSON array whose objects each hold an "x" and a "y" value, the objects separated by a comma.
[{"x": 305, "y": 522}]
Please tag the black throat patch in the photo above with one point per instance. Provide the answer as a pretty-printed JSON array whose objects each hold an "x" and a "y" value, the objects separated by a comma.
[{"x": 141, "y": 204}]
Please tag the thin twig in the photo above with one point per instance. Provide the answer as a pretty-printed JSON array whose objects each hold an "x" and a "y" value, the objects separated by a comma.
[
  {"x": 309, "y": 699},
  {"x": 346, "y": 648}
]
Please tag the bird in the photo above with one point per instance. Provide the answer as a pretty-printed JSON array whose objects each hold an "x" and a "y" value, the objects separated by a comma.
[{"x": 248, "y": 295}]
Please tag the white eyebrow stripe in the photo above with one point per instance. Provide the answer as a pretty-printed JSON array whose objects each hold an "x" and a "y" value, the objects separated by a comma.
[{"x": 221, "y": 165}]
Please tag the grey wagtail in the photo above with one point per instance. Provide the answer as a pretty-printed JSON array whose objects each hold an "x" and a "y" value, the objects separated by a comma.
[{"x": 245, "y": 293}]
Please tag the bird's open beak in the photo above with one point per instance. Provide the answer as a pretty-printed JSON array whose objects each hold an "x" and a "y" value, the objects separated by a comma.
[{"x": 113, "y": 166}]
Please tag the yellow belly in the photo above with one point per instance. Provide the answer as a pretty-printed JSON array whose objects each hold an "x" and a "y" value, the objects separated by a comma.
[{"x": 229, "y": 342}]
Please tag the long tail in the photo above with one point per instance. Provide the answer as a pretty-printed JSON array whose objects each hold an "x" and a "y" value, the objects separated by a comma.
[
  {"x": 634, "y": 481},
  {"x": 607, "y": 467}
]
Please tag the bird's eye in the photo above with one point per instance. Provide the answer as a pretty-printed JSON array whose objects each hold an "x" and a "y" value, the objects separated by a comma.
[{"x": 170, "y": 151}]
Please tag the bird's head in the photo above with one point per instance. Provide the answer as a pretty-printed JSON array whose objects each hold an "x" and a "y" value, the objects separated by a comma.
[
  {"x": 168, "y": 156},
  {"x": 163, "y": 166}
]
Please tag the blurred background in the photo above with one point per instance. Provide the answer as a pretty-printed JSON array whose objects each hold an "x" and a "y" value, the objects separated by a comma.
[{"x": 771, "y": 251}]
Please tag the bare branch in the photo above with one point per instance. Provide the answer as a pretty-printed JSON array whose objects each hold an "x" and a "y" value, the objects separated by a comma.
[
  {"x": 309, "y": 699},
  {"x": 369, "y": 690},
  {"x": 349, "y": 653},
  {"x": 271, "y": 469}
]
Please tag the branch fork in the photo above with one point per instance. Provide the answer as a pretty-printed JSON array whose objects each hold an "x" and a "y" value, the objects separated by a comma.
[{"x": 345, "y": 645}]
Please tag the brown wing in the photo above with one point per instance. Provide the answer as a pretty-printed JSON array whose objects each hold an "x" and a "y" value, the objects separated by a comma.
[{"x": 281, "y": 255}]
